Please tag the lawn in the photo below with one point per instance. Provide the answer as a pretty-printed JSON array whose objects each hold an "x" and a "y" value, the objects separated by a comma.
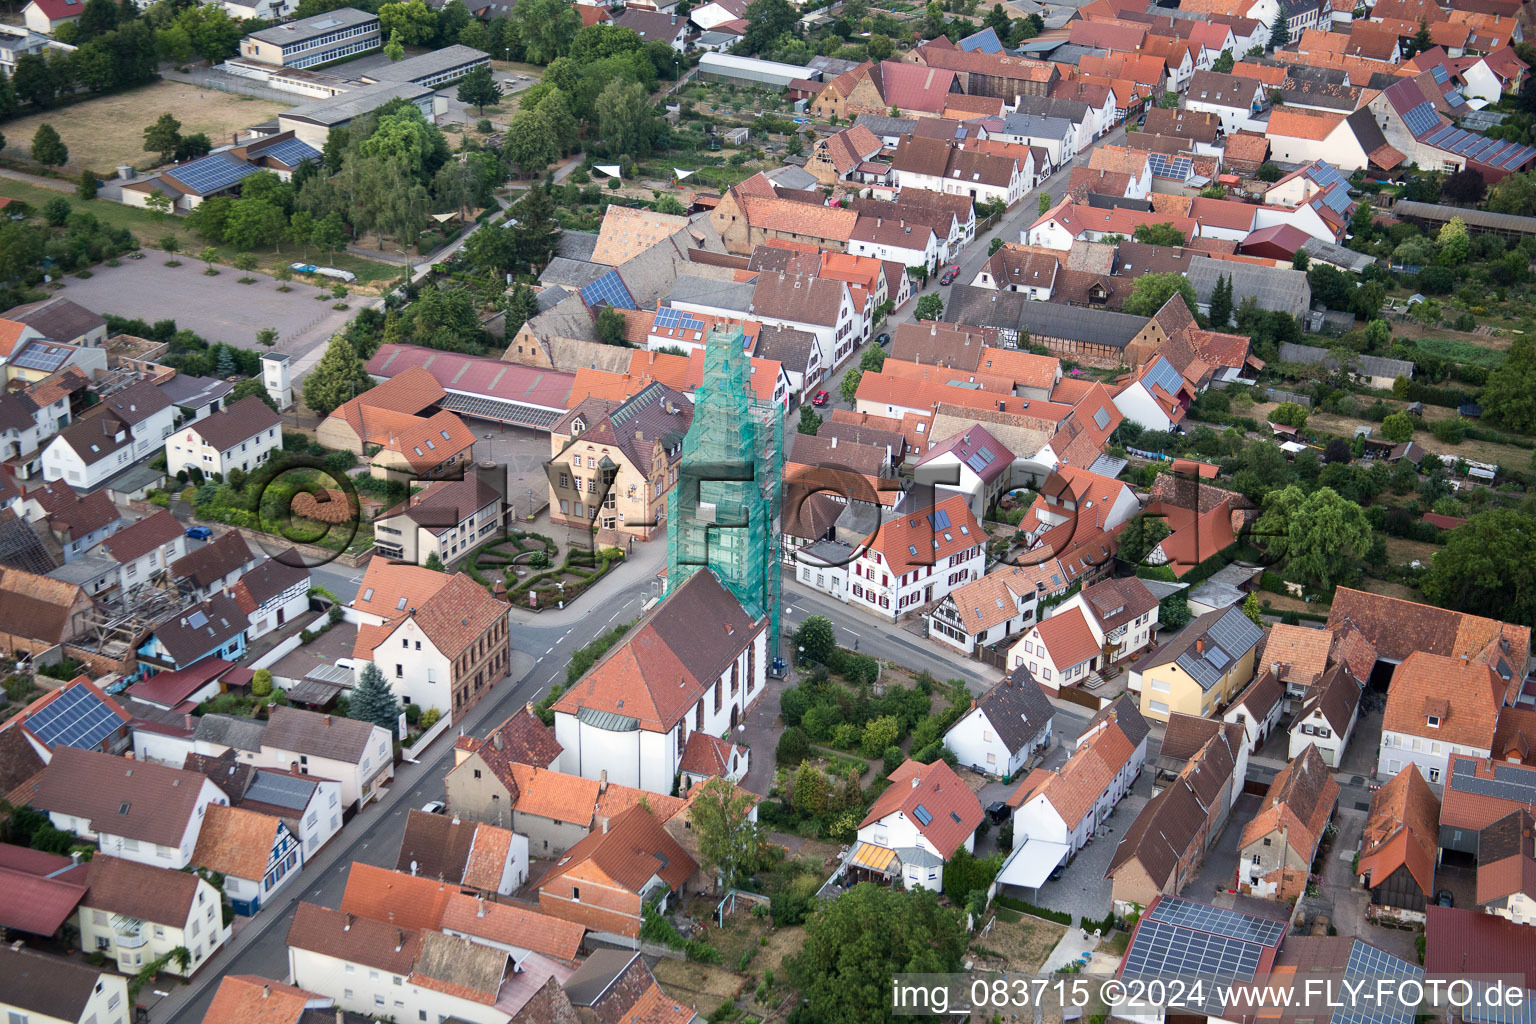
[
  {"x": 1023, "y": 944},
  {"x": 702, "y": 986},
  {"x": 1344, "y": 426},
  {"x": 1400, "y": 550},
  {"x": 149, "y": 228},
  {"x": 1488, "y": 354},
  {"x": 105, "y": 132}
]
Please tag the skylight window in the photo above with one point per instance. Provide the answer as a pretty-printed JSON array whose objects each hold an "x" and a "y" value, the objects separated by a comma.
[
  {"x": 401, "y": 605},
  {"x": 368, "y": 594}
]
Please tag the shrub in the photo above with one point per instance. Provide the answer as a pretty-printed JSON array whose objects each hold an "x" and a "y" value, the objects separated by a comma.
[
  {"x": 794, "y": 746},
  {"x": 892, "y": 759}
]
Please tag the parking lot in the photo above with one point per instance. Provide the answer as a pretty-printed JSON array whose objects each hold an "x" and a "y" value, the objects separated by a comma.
[
  {"x": 521, "y": 453},
  {"x": 219, "y": 308}
]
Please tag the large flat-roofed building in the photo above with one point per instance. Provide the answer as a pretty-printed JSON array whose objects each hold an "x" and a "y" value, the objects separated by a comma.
[
  {"x": 309, "y": 41},
  {"x": 434, "y": 69},
  {"x": 312, "y": 122}
]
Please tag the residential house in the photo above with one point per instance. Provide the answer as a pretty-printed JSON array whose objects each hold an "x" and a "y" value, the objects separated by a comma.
[
  {"x": 74, "y": 522},
  {"x": 147, "y": 813},
  {"x": 1477, "y": 792},
  {"x": 1059, "y": 136},
  {"x": 708, "y": 757},
  {"x": 1075, "y": 503},
  {"x": 1350, "y": 142},
  {"x": 753, "y": 213},
  {"x": 697, "y": 661},
  {"x": 1438, "y": 707},
  {"x": 1398, "y": 849},
  {"x": 1202, "y": 668},
  {"x": 1327, "y": 717},
  {"x": 214, "y": 568},
  {"x": 940, "y": 165},
  {"x": 78, "y": 714},
  {"x": 492, "y": 861},
  {"x": 1018, "y": 269},
  {"x": 446, "y": 518},
  {"x": 916, "y": 826},
  {"x": 972, "y": 463},
  {"x": 1122, "y": 613},
  {"x": 848, "y": 155},
  {"x": 1005, "y": 727},
  {"x": 146, "y": 549},
  {"x": 1060, "y": 651},
  {"x": 631, "y": 450},
  {"x": 250, "y": 997},
  {"x": 172, "y": 691},
  {"x": 654, "y": 26},
  {"x": 986, "y": 611},
  {"x": 397, "y": 426},
  {"x": 115, "y": 434},
  {"x": 1279, "y": 844},
  {"x": 614, "y": 985},
  {"x": 989, "y": 74},
  {"x": 1258, "y": 708},
  {"x": 39, "y": 988},
  {"x": 603, "y": 881},
  {"x": 309, "y": 806},
  {"x": 61, "y": 320},
  {"x": 1232, "y": 98},
  {"x": 273, "y": 594},
  {"x": 910, "y": 244},
  {"x": 1164, "y": 847},
  {"x": 441, "y": 641},
  {"x": 45, "y": 16},
  {"x": 512, "y": 927},
  {"x": 214, "y": 628},
  {"x": 916, "y": 557},
  {"x": 1061, "y": 808},
  {"x": 242, "y": 437},
  {"x": 823, "y": 307},
  {"x": 257, "y": 854},
  {"x": 356, "y": 754},
  {"x": 1506, "y": 868},
  {"x": 481, "y": 786}
]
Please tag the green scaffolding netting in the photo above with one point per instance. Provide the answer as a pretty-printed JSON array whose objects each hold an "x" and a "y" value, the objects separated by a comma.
[{"x": 724, "y": 511}]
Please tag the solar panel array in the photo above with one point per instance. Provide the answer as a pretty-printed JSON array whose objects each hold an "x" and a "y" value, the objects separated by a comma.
[
  {"x": 1162, "y": 374},
  {"x": 1166, "y": 951},
  {"x": 42, "y": 356},
  {"x": 1422, "y": 119},
  {"x": 212, "y": 173},
  {"x": 1480, "y": 148},
  {"x": 608, "y": 290},
  {"x": 1179, "y": 168},
  {"x": 669, "y": 318},
  {"x": 75, "y": 718},
  {"x": 1337, "y": 199},
  {"x": 1326, "y": 174},
  {"x": 1440, "y": 75},
  {"x": 1366, "y": 962},
  {"x": 1189, "y": 914},
  {"x": 292, "y": 152},
  {"x": 1477, "y": 1013},
  {"x": 1509, "y": 782}
]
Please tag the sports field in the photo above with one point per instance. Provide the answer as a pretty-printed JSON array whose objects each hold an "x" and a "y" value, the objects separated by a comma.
[{"x": 107, "y": 131}]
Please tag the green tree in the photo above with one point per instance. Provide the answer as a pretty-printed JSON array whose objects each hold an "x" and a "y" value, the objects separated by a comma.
[
  {"x": 625, "y": 122},
  {"x": 879, "y": 733},
  {"x": 537, "y": 231},
  {"x": 929, "y": 307},
  {"x": 531, "y": 142},
  {"x": 1279, "y": 33},
  {"x": 261, "y": 683},
  {"x": 1313, "y": 536},
  {"x": 339, "y": 377},
  {"x": 479, "y": 88},
  {"x": 1159, "y": 234},
  {"x": 163, "y": 137},
  {"x": 811, "y": 791},
  {"x": 880, "y": 46},
  {"x": 872, "y": 359},
  {"x": 1044, "y": 203},
  {"x": 412, "y": 19},
  {"x": 849, "y": 388},
  {"x": 731, "y": 846},
  {"x": 1152, "y": 291},
  {"x": 47, "y": 148},
  {"x": 373, "y": 701},
  {"x": 1253, "y": 611},
  {"x": 1173, "y": 612},
  {"x": 1419, "y": 43},
  {"x": 1223, "y": 64},
  {"x": 1221, "y": 302},
  {"x": 1301, "y": 261},
  {"x": 1140, "y": 536},
  {"x": 395, "y": 48},
  {"x": 1487, "y": 567},
  {"x": 1397, "y": 427},
  {"x": 545, "y": 28},
  {"x": 85, "y": 185},
  {"x": 267, "y": 337},
  {"x": 434, "y": 563},
  {"x": 610, "y": 326},
  {"x": 994, "y": 245},
  {"x": 855, "y": 945},
  {"x": 1509, "y": 397},
  {"x": 1269, "y": 171},
  {"x": 1455, "y": 245},
  {"x": 810, "y": 421},
  {"x": 1289, "y": 414},
  {"x": 252, "y": 386},
  {"x": 56, "y": 211},
  {"x": 35, "y": 80},
  {"x": 767, "y": 20},
  {"x": 254, "y": 224},
  {"x": 522, "y": 306},
  {"x": 209, "y": 256},
  {"x": 815, "y": 639}
]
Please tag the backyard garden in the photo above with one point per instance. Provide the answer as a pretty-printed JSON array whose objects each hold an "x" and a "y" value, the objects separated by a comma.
[{"x": 527, "y": 569}]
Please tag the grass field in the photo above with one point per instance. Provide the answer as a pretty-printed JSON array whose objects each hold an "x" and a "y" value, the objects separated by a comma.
[
  {"x": 1462, "y": 351},
  {"x": 149, "y": 228},
  {"x": 105, "y": 132},
  {"x": 1344, "y": 426}
]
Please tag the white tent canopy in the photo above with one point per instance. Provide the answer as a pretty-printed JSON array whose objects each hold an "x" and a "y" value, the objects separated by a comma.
[
  {"x": 1032, "y": 862},
  {"x": 612, "y": 170},
  {"x": 681, "y": 174}
]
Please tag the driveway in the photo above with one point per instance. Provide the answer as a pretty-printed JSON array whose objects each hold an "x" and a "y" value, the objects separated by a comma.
[
  {"x": 219, "y": 308},
  {"x": 1082, "y": 890},
  {"x": 1219, "y": 871}
]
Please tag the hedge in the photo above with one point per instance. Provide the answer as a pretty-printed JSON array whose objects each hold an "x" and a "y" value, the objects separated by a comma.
[{"x": 1025, "y": 907}]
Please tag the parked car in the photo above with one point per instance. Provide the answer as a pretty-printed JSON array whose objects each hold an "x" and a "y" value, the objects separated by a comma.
[
  {"x": 950, "y": 273},
  {"x": 997, "y": 811},
  {"x": 1443, "y": 898},
  {"x": 199, "y": 533},
  {"x": 820, "y": 398},
  {"x": 434, "y": 807},
  {"x": 135, "y": 255},
  {"x": 883, "y": 340}
]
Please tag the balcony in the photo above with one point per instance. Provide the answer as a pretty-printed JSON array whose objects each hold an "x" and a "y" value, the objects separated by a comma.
[{"x": 128, "y": 933}]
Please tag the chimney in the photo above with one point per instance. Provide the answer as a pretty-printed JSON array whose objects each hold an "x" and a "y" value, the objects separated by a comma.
[
  {"x": 528, "y": 707},
  {"x": 496, "y": 739},
  {"x": 602, "y": 783},
  {"x": 915, "y": 780},
  {"x": 413, "y": 868},
  {"x": 266, "y": 990},
  {"x": 1200, "y": 645},
  {"x": 399, "y": 939},
  {"x": 327, "y": 721},
  {"x": 480, "y": 910},
  {"x": 834, "y": 445},
  {"x": 74, "y": 857},
  {"x": 346, "y": 925}
]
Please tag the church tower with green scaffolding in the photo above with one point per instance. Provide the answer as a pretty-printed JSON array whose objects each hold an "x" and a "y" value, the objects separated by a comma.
[{"x": 724, "y": 511}]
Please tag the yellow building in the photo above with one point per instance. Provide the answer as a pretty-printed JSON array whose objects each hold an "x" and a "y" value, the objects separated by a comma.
[{"x": 1203, "y": 668}]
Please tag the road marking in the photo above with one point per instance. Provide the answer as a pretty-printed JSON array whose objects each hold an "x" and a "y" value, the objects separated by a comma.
[{"x": 551, "y": 650}]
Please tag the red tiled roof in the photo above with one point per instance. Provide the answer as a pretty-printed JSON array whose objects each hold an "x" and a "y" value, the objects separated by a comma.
[
  {"x": 513, "y": 925},
  {"x": 952, "y": 810},
  {"x": 633, "y": 849},
  {"x": 406, "y": 901},
  {"x": 1068, "y": 638}
]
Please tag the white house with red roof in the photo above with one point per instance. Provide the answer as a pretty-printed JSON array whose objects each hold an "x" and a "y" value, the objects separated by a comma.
[
  {"x": 46, "y": 16},
  {"x": 695, "y": 663},
  {"x": 710, "y": 757},
  {"x": 1157, "y": 397},
  {"x": 916, "y": 825},
  {"x": 1060, "y": 651},
  {"x": 972, "y": 463},
  {"x": 919, "y": 555},
  {"x": 146, "y": 548}
]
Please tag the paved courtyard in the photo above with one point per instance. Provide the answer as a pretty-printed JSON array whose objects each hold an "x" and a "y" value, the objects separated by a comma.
[
  {"x": 1082, "y": 890},
  {"x": 325, "y": 649},
  {"x": 218, "y": 308},
  {"x": 1219, "y": 872},
  {"x": 522, "y": 453}
]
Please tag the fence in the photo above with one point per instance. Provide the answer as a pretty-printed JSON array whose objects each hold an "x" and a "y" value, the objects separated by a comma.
[
  {"x": 1275, "y": 395},
  {"x": 425, "y": 739},
  {"x": 1075, "y": 695},
  {"x": 238, "y": 86},
  {"x": 727, "y": 906},
  {"x": 286, "y": 647}
]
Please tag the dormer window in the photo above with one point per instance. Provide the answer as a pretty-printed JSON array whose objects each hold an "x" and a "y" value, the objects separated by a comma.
[{"x": 1434, "y": 721}]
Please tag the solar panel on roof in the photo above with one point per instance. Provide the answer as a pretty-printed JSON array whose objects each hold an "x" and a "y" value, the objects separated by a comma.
[
  {"x": 1217, "y": 920},
  {"x": 1101, "y": 418},
  {"x": 1163, "y": 375},
  {"x": 608, "y": 290},
  {"x": 499, "y": 410},
  {"x": 1218, "y": 657},
  {"x": 1326, "y": 174},
  {"x": 46, "y": 358},
  {"x": 212, "y": 173},
  {"x": 922, "y": 814},
  {"x": 1178, "y": 168},
  {"x": 75, "y": 718},
  {"x": 1366, "y": 961},
  {"x": 939, "y": 520},
  {"x": 1439, "y": 73},
  {"x": 291, "y": 152},
  {"x": 976, "y": 463},
  {"x": 1422, "y": 119}
]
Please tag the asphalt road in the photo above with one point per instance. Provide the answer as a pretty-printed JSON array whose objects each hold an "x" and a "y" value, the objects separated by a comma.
[{"x": 541, "y": 649}]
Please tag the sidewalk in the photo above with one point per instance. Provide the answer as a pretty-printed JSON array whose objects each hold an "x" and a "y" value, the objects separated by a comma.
[{"x": 640, "y": 565}]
